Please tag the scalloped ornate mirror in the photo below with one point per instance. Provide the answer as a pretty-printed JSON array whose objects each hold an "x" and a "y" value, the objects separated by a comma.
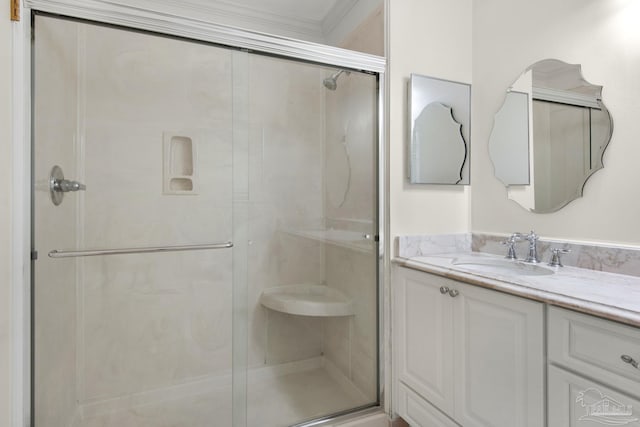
[
  {"x": 439, "y": 150},
  {"x": 549, "y": 136},
  {"x": 439, "y": 120}
]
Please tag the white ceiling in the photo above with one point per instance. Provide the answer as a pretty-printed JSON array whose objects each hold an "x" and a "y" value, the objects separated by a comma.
[{"x": 320, "y": 21}]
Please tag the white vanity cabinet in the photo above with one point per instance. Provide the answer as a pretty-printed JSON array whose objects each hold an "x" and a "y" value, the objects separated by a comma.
[
  {"x": 465, "y": 355},
  {"x": 593, "y": 371}
]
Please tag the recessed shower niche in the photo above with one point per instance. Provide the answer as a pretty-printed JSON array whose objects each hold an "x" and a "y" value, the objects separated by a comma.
[{"x": 179, "y": 164}]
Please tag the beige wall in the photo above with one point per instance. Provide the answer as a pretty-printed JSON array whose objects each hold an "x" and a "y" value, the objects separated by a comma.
[
  {"x": 368, "y": 37},
  {"x": 604, "y": 38},
  {"x": 5, "y": 221},
  {"x": 432, "y": 38}
]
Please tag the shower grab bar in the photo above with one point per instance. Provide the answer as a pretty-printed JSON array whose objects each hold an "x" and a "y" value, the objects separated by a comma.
[{"x": 94, "y": 252}]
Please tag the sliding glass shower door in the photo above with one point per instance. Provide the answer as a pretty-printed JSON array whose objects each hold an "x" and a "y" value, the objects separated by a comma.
[
  {"x": 133, "y": 286},
  {"x": 188, "y": 199},
  {"x": 312, "y": 319}
]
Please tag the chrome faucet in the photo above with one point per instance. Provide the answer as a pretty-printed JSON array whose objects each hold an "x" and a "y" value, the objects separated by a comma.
[
  {"x": 511, "y": 245},
  {"x": 532, "y": 257}
]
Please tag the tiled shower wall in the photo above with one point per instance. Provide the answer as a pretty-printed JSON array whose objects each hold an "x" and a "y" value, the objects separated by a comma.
[
  {"x": 153, "y": 321},
  {"x": 164, "y": 321},
  {"x": 350, "y": 343},
  {"x": 285, "y": 191}
]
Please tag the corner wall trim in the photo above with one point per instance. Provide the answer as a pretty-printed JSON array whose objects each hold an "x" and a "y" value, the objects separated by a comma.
[
  {"x": 20, "y": 238},
  {"x": 15, "y": 10}
]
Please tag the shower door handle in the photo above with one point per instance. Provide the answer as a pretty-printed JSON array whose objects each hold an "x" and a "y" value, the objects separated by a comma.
[
  {"x": 148, "y": 250},
  {"x": 65, "y": 186},
  {"x": 58, "y": 185}
]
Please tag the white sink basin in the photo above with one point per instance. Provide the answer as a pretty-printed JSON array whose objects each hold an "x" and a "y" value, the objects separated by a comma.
[{"x": 502, "y": 266}]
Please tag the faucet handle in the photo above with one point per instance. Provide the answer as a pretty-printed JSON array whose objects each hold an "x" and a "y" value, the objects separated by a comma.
[
  {"x": 532, "y": 237},
  {"x": 556, "y": 261},
  {"x": 515, "y": 237}
]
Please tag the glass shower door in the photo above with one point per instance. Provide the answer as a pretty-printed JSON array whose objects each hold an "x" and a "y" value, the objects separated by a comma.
[
  {"x": 152, "y": 156},
  {"x": 312, "y": 273},
  {"x": 134, "y": 203}
]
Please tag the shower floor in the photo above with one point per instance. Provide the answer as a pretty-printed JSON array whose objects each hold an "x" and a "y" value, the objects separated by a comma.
[{"x": 273, "y": 401}]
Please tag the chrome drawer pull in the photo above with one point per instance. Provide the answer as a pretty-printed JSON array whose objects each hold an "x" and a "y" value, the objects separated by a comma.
[
  {"x": 630, "y": 360},
  {"x": 444, "y": 290},
  {"x": 453, "y": 293}
]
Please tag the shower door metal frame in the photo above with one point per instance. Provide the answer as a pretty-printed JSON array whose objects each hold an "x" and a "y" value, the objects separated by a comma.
[{"x": 153, "y": 19}]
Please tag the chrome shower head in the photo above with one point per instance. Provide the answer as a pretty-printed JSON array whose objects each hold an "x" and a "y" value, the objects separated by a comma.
[{"x": 331, "y": 82}]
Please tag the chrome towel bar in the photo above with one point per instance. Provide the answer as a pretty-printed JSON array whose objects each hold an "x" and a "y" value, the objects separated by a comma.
[{"x": 95, "y": 252}]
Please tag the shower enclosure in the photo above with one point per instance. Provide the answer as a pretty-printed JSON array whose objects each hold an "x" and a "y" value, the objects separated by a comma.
[{"x": 206, "y": 224}]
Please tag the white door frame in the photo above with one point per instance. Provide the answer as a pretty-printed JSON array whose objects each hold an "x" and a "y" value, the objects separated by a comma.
[
  {"x": 156, "y": 16},
  {"x": 20, "y": 244}
]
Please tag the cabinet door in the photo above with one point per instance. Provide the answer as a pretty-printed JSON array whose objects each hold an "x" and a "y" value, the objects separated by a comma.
[
  {"x": 499, "y": 359},
  {"x": 575, "y": 401},
  {"x": 418, "y": 412},
  {"x": 423, "y": 336}
]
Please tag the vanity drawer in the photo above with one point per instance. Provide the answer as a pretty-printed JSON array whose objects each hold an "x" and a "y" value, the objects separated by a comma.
[
  {"x": 594, "y": 347},
  {"x": 418, "y": 412},
  {"x": 574, "y": 401}
]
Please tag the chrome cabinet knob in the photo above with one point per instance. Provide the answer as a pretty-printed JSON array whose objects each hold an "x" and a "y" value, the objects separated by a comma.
[
  {"x": 453, "y": 293},
  {"x": 444, "y": 290},
  {"x": 630, "y": 360}
]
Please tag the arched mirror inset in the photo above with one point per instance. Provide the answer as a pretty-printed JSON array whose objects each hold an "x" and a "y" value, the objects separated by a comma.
[
  {"x": 549, "y": 136},
  {"x": 439, "y": 124},
  {"x": 443, "y": 161}
]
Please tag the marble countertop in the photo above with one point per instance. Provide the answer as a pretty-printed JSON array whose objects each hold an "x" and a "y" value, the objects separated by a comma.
[{"x": 607, "y": 295}]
